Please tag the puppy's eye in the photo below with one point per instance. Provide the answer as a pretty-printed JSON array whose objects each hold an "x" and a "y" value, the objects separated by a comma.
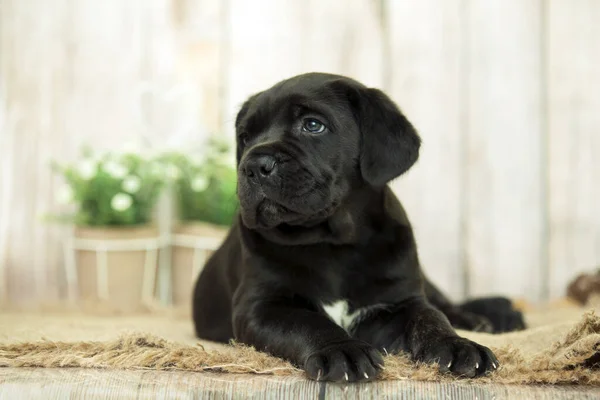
[{"x": 313, "y": 126}]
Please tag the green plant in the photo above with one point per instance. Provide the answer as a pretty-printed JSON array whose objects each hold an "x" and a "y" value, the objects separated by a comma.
[
  {"x": 205, "y": 184},
  {"x": 111, "y": 189}
]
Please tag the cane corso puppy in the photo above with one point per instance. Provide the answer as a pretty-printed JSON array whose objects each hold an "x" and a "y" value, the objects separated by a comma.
[{"x": 321, "y": 267}]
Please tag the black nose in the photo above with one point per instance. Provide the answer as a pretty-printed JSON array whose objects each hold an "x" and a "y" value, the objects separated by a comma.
[{"x": 260, "y": 166}]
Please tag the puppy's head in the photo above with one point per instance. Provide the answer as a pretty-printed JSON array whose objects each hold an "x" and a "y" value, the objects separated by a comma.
[{"x": 306, "y": 143}]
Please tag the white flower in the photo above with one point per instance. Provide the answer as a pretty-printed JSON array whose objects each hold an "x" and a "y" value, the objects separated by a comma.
[
  {"x": 173, "y": 172},
  {"x": 199, "y": 184},
  {"x": 87, "y": 169},
  {"x": 121, "y": 202},
  {"x": 115, "y": 169},
  {"x": 132, "y": 184},
  {"x": 64, "y": 195}
]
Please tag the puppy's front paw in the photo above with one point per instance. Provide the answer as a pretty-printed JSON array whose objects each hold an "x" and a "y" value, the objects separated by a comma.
[
  {"x": 459, "y": 356},
  {"x": 347, "y": 361}
]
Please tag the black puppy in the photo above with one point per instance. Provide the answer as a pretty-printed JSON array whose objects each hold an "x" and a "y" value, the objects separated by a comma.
[{"x": 321, "y": 268}]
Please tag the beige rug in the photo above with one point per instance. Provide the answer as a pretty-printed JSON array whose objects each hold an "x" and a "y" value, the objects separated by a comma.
[{"x": 563, "y": 346}]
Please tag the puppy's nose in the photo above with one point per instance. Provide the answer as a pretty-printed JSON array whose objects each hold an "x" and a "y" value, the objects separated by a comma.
[{"x": 261, "y": 166}]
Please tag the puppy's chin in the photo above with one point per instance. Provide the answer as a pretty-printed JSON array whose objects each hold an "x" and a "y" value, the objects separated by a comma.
[
  {"x": 265, "y": 214},
  {"x": 268, "y": 215}
]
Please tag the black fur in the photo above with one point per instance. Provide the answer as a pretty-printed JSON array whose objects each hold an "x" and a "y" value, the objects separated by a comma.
[{"x": 318, "y": 224}]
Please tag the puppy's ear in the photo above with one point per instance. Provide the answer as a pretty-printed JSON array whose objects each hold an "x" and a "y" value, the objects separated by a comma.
[
  {"x": 389, "y": 142},
  {"x": 239, "y": 117},
  {"x": 242, "y": 112}
]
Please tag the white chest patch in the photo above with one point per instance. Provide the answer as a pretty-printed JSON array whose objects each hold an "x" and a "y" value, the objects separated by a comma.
[{"x": 338, "y": 312}]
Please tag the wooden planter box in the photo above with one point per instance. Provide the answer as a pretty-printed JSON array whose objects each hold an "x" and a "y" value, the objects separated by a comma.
[
  {"x": 116, "y": 267},
  {"x": 192, "y": 244}
]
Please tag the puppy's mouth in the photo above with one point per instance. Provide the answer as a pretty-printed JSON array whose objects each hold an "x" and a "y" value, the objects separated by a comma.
[
  {"x": 294, "y": 195},
  {"x": 270, "y": 214}
]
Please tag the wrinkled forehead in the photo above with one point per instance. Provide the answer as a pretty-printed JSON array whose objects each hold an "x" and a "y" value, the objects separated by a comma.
[{"x": 284, "y": 104}]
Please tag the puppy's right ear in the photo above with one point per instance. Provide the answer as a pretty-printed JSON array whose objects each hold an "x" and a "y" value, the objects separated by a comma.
[{"x": 389, "y": 142}]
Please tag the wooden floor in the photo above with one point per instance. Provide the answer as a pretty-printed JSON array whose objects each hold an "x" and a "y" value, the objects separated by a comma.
[{"x": 65, "y": 383}]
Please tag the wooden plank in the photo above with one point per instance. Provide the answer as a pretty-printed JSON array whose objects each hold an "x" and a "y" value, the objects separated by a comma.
[
  {"x": 425, "y": 52},
  {"x": 117, "y": 88},
  {"x": 199, "y": 64},
  {"x": 56, "y": 383},
  {"x": 162, "y": 81},
  {"x": 6, "y": 154},
  {"x": 574, "y": 120},
  {"x": 504, "y": 176},
  {"x": 33, "y": 76}
]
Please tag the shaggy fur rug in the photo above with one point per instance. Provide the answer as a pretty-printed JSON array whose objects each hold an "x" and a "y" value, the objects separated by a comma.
[{"x": 563, "y": 346}]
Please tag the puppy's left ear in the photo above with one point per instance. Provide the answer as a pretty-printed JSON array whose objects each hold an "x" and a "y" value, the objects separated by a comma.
[
  {"x": 238, "y": 118},
  {"x": 240, "y": 115},
  {"x": 389, "y": 142}
]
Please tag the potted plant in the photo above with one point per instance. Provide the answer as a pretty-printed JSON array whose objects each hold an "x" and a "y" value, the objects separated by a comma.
[
  {"x": 112, "y": 256},
  {"x": 206, "y": 201}
]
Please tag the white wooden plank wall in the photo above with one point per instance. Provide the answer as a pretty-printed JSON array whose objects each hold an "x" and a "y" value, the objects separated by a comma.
[
  {"x": 573, "y": 110},
  {"x": 290, "y": 37},
  {"x": 505, "y": 206},
  {"x": 505, "y": 197},
  {"x": 425, "y": 80},
  {"x": 75, "y": 73}
]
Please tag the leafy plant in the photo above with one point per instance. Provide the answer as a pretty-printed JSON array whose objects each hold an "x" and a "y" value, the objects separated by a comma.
[
  {"x": 205, "y": 184},
  {"x": 111, "y": 189}
]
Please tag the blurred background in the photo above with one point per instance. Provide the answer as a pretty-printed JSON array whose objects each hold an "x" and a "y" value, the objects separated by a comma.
[{"x": 505, "y": 93}]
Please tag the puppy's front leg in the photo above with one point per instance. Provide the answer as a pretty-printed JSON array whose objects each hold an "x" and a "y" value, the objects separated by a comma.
[
  {"x": 424, "y": 332},
  {"x": 293, "y": 328}
]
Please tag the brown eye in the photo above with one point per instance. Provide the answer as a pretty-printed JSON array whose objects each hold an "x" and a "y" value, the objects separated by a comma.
[{"x": 312, "y": 125}]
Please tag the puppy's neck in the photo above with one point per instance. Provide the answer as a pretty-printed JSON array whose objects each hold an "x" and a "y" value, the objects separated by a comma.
[{"x": 347, "y": 225}]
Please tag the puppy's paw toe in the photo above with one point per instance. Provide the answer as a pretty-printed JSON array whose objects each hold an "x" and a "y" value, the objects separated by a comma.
[
  {"x": 460, "y": 356},
  {"x": 347, "y": 361}
]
